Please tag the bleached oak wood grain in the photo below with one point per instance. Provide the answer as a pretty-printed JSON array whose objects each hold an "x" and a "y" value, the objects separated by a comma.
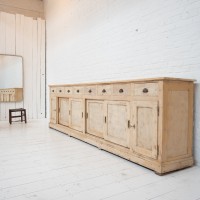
[{"x": 150, "y": 124}]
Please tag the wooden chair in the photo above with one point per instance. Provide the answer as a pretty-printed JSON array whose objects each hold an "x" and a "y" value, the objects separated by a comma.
[{"x": 22, "y": 115}]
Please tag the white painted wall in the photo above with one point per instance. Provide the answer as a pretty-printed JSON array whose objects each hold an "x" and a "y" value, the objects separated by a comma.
[
  {"x": 98, "y": 40},
  {"x": 24, "y": 36}
]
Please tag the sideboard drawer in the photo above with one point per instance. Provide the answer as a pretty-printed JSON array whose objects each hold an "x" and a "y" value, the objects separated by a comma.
[
  {"x": 78, "y": 90},
  {"x": 105, "y": 89},
  {"x": 145, "y": 89},
  {"x": 90, "y": 90},
  {"x": 68, "y": 90},
  {"x": 122, "y": 89},
  {"x": 7, "y": 91},
  {"x": 60, "y": 90},
  {"x": 53, "y": 90}
]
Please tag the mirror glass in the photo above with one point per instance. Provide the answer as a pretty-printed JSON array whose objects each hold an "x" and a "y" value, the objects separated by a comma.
[{"x": 11, "y": 71}]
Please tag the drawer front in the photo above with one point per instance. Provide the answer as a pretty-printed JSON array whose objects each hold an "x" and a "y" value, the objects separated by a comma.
[
  {"x": 90, "y": 90},
  {"x": 60, "y": 90},
  {"x": 53, "y": 90},
  {"x": 68, "y": 90},
  {"x": 78, "y": 90},
  {"x": 145, "y": 89},
  {"x": 7, "y": 91},
  {"x": 122, "y": 89},
  {"x": 105, "y": 89}
]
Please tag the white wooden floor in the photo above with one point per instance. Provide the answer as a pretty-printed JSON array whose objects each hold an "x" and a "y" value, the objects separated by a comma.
[{"x": 38, "y": 163}]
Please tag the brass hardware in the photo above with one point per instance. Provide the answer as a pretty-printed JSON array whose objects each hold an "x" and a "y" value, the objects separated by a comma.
[
  {"x": 60, "y": 90},
  {"x": 90, "y": 91},
  {"x": 130, "y": 126},
  {"x": 121, "y": 91},
  {"x": 68, "y": 91},
  {"x": 145, "y": 90},
  {"x": 77, "y": 91},
  {"x": 52, "y": 90},
  {"x": 69, "y": 112},
  {"x": 82, "y": 114},
  {"x": 104, "y": 91},
  {"x": 105, "y": 119}
]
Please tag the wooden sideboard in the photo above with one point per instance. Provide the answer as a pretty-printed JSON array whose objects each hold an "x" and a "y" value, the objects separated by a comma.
[
  {"x": 11, "y": 94},
  {"x": 147, "y": 121}
]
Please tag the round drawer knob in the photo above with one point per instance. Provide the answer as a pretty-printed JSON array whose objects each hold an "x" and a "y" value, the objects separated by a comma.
[
  {"x": 90, "y": 91},
  {"x": 77, "y": 91},
  {"x": 68, "y": 91},
  {"x": 121, "y": 91},
  {"x": 104, "y": 91},
  {"x": 145, "y": 90},
  {"x": 60, "y": 90},
  {"x": 52, "y": 90}
]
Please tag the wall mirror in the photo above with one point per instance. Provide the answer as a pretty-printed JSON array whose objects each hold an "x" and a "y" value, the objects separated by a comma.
[
  {"x": 11, "y": 72},
  {"x": 11, "y": 78}
]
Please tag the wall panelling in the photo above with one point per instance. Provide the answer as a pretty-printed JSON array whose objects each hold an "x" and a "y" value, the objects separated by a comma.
[{"x": 25, "y": 36}]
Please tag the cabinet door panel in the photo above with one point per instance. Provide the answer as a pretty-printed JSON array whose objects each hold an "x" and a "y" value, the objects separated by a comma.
[
  {"x": 63, "y": 111},
  {"x": 95, "y": 118},
  {"x": 76, "y": 114},
  {"x": 145, "y": 128},
  {"x": 117, "y": 113},
  {"x": 53, "y": 109}
]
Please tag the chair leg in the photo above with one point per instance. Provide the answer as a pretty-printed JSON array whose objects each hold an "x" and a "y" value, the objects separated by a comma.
[
  {"x": 10, "y": 113},
  {"x": 25, "y": 116},
  {"x": 21, "y": 117}
]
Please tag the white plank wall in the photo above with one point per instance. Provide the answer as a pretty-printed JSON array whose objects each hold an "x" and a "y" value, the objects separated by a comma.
[
  {"x": 19, "y": 42},
  {"x": 9, "y": 47},
  {"x": 25, "y": 36}
]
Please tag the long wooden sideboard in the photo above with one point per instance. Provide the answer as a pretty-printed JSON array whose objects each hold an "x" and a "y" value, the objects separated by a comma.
[{"x": 147, "y": 121}]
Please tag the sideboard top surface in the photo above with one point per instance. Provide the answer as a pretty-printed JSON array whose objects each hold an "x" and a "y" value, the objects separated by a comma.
[{"x": 127, "y": 81}]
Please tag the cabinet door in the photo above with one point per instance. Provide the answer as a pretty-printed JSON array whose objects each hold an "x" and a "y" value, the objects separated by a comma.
[
  {"x": 76, "y": 114},
  {"x": 53, "y": 110},
  {"x": 117, "y": 116},
  {"x": 95, "y": 118},
  {"x": 63, "y": 117},
  {"x": 145, "y": 123}
]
